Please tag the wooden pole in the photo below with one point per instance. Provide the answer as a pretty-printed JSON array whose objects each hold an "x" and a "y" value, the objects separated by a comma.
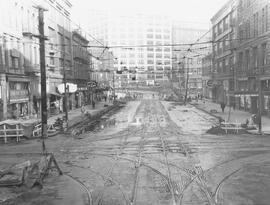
[{"x": 42, "y": 78}]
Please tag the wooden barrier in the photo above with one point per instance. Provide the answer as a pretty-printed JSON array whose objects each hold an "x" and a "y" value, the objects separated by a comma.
[
  {"x": 50, "y": 130},
  {"x": 8, "y": 132},
  {"x": 231, "y": 126}
]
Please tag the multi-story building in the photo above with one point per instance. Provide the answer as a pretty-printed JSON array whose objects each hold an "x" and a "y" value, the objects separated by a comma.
[
  {"x": 187, "y": 64},
  {"x": 138, "y": 41},
  {"x": 17, "y": 55},
  {"x": 223, "y": 35},
  {"x": 253, "y": 55},
  {"x": 207, "y": 76},
  {"x": 20, "y": 65},
  {"x": 81, "y": 67}
]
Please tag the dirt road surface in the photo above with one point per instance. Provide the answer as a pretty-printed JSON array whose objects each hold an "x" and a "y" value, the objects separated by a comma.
[{"x": 158, "y": 153}]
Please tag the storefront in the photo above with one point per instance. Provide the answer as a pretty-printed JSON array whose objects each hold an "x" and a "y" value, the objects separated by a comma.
[
  {"x": 80, "y": 96},
  {"x": 18, "y": 97},
  {"x": 266, "y": 103}
]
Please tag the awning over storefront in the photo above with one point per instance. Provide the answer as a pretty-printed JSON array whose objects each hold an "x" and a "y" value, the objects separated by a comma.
[
  {"x": 18, "y": 79},
  {"x": 21, "y": 100}
]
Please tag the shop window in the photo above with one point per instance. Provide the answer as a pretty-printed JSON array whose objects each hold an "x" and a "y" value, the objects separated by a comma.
[{"x": 15, "y": 62}]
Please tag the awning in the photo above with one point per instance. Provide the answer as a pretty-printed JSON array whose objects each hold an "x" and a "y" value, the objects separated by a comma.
[
  {"x": 22, "y": 100},
  {"x": 18, "y": 79}
]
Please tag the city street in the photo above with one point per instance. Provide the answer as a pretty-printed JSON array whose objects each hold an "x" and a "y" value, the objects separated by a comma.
[
  {"x": 164, "y": 156},
  {"x": 134, "y": 102}
]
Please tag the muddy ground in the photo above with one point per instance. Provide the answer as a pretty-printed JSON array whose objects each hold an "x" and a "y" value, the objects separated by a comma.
[{"x": 158, "y": 152}]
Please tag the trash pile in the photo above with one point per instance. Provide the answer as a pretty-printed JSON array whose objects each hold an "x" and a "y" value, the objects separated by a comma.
[{"x": 29, "y": 174}]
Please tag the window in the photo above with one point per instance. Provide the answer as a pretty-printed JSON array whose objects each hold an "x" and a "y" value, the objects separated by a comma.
[
  {"x": 158, "y": 36},
  {"x": 167, "y": 68},
  {"x": 67, "y": 45},
  {"x": 266, "y": 18},
  {"x": 167, "y": 62},
  {"x": 219, "y": 28},
  {"x": 264, "y": 57},
  {"x": 158, "y": 55},
  {"x": 220, "y": 66},
  {"x": 51, "y": 60},
  {"x": 140, "y": 55},
  {"x": 132, "y": 62},
  {"x": 149, "y": 35},
  {"x": 61, "y": 62},
  {"x": 167, "y": 49},
  {"x": 215, "y": 31},
  {"x": 15, "y": 62},
  {"x": 247, "y": 54},
  {"x": 140, "y": 62},
  {"x": 255, "y": 21},
  {"x": 166, "y": 37},
  {"x": 150, "y": 62},
  {"x": 248, "y": 29},
  {"x": 150, "y": 49},
  {"x": 159, "y": 68},
  {"x": 263, "y": 20},
  {"x": 255, "y": 56},
  {"x": 167, "y": 56},
  {"x": 226, "y": 23},
  {"x": 150, "y": 43},
  {"x": 159, "y": 62},
  {"x": 150, "y": 55},
  {"x": 51, "y": 34},
  {"x": 240, "y": 58},
  {"x": 150, "y": 68}
]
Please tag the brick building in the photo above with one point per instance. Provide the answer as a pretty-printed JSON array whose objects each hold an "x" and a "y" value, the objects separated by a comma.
[
  {"x": 223, "y": 35},
  {"x": 253, "y": 55}
]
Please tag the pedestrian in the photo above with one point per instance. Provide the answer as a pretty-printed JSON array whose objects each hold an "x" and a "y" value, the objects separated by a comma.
[
  {"x": 222, "y": 105},
  {"x": 93, "y": 104},
  {"x": 82, "y": 109}
]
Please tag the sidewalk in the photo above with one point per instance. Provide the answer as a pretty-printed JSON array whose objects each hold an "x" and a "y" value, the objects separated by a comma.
[
  {"x": 230, "y": 114},
  {"x": 74, "y": 116}
]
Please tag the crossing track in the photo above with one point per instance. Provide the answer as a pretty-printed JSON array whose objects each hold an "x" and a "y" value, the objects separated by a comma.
[{"x": 156, "y": 147}]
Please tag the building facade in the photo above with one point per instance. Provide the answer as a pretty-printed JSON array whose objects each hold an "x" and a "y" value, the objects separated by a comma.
[
  {"x": 207, "y": 76},
  {"x": 20, "y": 63},
  {"x": 81, "y": 68},
  {"x": 18, "y": 54},
  {"x": 253, "y": 55},
  {"x": 187, "y": 61},
  {"x": 224, "y": 33},
  {"x": 138, "y": 42}
]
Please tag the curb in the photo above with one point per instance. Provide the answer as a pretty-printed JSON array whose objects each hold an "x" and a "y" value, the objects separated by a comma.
[{"x": 207, "y": 112}]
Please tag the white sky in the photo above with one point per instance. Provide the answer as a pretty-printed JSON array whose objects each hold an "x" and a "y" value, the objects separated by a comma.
[{"x": 199, "y": 11}]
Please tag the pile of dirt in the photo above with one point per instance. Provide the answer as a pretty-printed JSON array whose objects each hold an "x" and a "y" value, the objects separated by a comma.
[{"x": 217, "y": 130}]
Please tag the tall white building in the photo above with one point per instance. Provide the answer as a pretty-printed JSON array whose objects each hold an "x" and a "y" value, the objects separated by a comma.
[{"x": 141, "y": 44}]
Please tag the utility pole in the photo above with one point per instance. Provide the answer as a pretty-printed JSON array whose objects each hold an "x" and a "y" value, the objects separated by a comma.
[
  {"x": 66, "y": 87},
  {"x": 113, "y": 87},
  {"x": 42, "y": 77},
  {"x": 186, "y": 92},
  {"x": 259, "y": 113}
]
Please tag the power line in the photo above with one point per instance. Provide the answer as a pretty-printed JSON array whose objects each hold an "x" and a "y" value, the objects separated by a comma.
[{"x": 147, "y": 45}]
